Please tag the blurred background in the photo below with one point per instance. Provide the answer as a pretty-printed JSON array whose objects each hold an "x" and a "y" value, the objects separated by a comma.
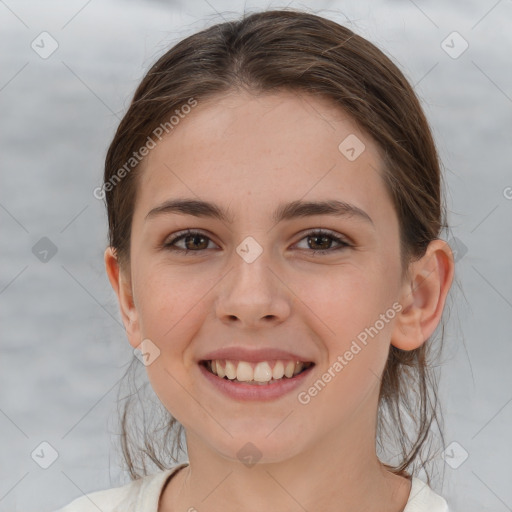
[{"x": 68, "y": 72}]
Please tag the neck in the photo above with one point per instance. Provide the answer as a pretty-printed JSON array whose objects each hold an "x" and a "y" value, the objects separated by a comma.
[
  {"x": 333, "y": 475},
  {"x": 336, "y": 481}
]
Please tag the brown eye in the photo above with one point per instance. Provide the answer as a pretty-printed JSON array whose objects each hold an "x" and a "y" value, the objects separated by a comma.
[
  {"x": 321, "y": 242},
  {"x": 194, "y": 241}
]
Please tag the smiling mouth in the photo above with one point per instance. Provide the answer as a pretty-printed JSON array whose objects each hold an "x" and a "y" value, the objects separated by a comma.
[{"x": 261, "y": 373}]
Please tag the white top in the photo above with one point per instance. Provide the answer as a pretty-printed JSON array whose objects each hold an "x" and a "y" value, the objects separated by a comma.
[{"x": 144, "y": 493}]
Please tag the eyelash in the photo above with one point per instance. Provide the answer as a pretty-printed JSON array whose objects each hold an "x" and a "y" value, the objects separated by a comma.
[{"x": 316, "y": 233}]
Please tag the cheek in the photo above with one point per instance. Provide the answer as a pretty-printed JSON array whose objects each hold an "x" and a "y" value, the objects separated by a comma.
[
  {"x": 172, "y": 309},
  {"x": 345, "y": 298},
  {"x": 165, "y": 298},
  {"x": 347, "y": 315},
  {"x": 344, "y": 309}
]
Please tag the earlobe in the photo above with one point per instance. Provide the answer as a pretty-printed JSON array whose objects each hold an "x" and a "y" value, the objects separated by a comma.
[
  {"x": 423, "y": 296},
  {"x": 121, "y": 285}
]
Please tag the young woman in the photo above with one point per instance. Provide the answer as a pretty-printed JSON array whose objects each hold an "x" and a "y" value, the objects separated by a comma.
[{"x": 275, "y": 209}]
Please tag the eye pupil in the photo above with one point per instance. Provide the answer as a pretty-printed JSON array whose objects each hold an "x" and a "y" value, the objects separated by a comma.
[
  {"x": 317, "y": 237},
  {"x": 194, "y": 238},
  {"x": 195, "y": 242}
]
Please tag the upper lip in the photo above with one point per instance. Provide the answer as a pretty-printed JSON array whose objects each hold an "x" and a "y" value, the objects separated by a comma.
[{"x": 253, "y": 355}]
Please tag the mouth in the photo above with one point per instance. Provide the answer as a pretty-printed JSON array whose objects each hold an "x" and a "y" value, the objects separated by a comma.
[{"x": 262, "y": 373}]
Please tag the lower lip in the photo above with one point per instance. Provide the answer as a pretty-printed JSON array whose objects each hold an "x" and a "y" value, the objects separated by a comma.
[{"x": 264, "y": 392}]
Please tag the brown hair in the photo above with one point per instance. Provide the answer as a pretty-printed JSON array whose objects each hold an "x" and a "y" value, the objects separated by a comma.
[{"x": 297, "y": 51}]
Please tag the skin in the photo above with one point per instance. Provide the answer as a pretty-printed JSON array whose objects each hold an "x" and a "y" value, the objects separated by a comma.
[{"x": 248, "y": 154}]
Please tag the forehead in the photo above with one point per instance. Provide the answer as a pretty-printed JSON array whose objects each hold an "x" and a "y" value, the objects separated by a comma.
[{"x": 255, "y": 150}]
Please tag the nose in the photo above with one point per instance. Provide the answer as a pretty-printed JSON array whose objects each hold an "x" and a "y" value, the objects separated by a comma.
[{"x": 253, "y": 294}]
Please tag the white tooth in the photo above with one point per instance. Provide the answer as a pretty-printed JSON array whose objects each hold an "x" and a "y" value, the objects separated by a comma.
[
  {"x": 278, "y": 370},
  {"x": 220, "y": 370},
  {"x": 298, "y": 368},
  {"x": 244, "y": 371},
  {"x": 262, "y": 372},
  {"x": 214, "y": 366},
  {"x": 230, "y": 370},
  {"x": 288, "y": 371}
]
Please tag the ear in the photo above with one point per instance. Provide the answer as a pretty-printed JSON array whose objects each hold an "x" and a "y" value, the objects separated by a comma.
[
  {"x": 423, "y": 296},
  {"x": 121, "y": 284}
]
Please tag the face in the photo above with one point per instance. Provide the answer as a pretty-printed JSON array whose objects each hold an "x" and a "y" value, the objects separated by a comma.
[{"x": 256, "y": 281}]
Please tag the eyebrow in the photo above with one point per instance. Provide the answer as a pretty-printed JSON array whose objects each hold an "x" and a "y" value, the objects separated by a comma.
[{"x": 287, "y": 211}]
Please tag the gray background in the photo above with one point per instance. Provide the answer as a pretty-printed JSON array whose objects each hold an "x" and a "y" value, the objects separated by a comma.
[{"x": 63, "y": 348}]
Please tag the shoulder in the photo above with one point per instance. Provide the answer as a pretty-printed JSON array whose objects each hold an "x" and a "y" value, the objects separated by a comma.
[
  {"x": 107, "y": 500},
  {"x": 130, "y": 497},
  {"x": 423, "y": 499}
]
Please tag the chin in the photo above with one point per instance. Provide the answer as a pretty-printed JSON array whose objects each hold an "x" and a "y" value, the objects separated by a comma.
[{"x": 250, "y": 449}]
